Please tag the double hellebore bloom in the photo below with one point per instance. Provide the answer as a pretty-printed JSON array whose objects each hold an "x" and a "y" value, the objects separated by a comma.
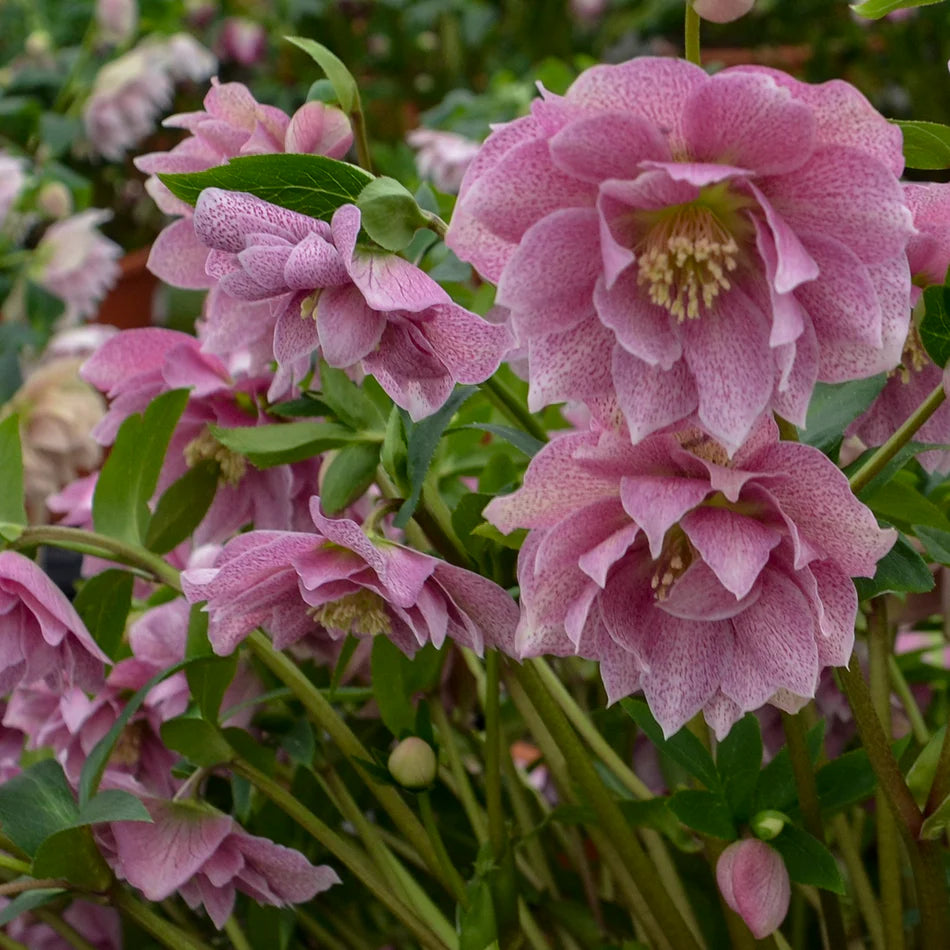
[
  {"x": 754, "y": 883},
  {"x": 41, "y": 635},
  {"x": 338, "y": 581},
  {"x": 356, "y": 305},
  {"x": 710, "y": 584},
  {"x": 693, "y": 243}
]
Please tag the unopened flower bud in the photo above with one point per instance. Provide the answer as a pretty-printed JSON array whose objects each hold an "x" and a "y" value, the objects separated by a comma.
[
  {"x": 38, "y": 43},
  {"x": 412, "y": 763},
  {"x": 754, "y": 883},
  {"x": 767, "y": 825},
  {"x": 55, "y": 200},
  {"x": 722, "y": 11}
]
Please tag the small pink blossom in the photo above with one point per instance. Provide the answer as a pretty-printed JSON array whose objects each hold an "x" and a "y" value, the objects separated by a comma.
[
  {"x": 442, "y": 157},
  {"x": 117, "y": 19},
  {"x": 242, "y": 40},
  {"x": 206, "y": 856},
  {"x": 693, "y": 243},
  {"x": 336, "y": 581},
  {"x": 710, "y": 584},
  {"x": 74, "y": 262},
  {"x": 12, "y": 180},
  {"x": 722, "y": 11},
  {"x": 754, "y": 882},
  {"x": 43, "y": 637},
  {"x": 360, "y": 307}
]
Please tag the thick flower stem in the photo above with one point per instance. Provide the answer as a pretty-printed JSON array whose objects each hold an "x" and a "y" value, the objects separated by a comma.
[
  {"x": 692, "y": 34},
  {"x": 361, "y": 139},
  {"x": 90, "y": 542},
  {"x": 512, "y": 407},
  {"x": 341, "y": 849},
  {"x": 340, "y": 734},
  {"x": 888, "y": 845},
  {"x": 496, "y": 820},
  {"x": 611, "y": 821},
  {"x": 8, "y": 943},
  {"x": 164, "y": 931},
  {"x": 925, "y": 856},
  {"x": 897, "y": 441},
  {"x": 811, "y": 814}
]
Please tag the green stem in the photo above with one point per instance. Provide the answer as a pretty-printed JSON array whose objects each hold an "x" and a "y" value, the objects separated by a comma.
[
  {"x": 165, "y": 932},
  {"x": 82, "y": 540},
  {"x": 610, "y": 818},
  {"x": 31, "y": 884},
  {"x": 811, "y": 814},
  {"x": 692, "y": 34},
  {"x": 860, "y": 882},
  {"x": 14, "y": 864},
  {"x": 325, "y": 939},
  {"x": 904, "y": 694},
  {"x": 888, "y": 845},
  {"x": 449, "y": 872},
  {"x": 512, "y": 407},
  {"x": 8, "y": 943},
  {"x": 529, "y": 927},
  {"x": 346, "y": 741},
  {"x": 496, "y": 820},
  {"x": 232, "y": 930},
  {"x": 341, "y": 849},
  {"x": 435, "y": 223},
  {"x": 56, "y": 923},
  {"x": 875, "y": 464},
  {"x": 361, "y": 139}
]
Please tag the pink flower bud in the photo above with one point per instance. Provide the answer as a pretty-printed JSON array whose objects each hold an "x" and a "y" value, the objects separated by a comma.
[
  {"x": 754, "y": 883},
  {"x": 722, "y": 11}
]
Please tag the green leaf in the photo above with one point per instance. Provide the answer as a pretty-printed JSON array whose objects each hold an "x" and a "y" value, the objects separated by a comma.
[
  {"x": 267, "y": 446},
  {"x": 902, "y": 568},
  {"x": 300, "y": 744},
  {"x": 926, "y": 144},
  {"x": 113, "y": 804},
  {"x": 197, "y": 740},
  {"x": 683, "y": 747},
  {"x": 103, "y": 603},
  {"x": 845, "y": 781},
  {"x": 72, "y": 854},
  {"x": 347, "y": 401},
  {"x": 707, "y": 812},
  {"x": 936, "y": 822},
  {"x": 875, "y": 9},
  {"x": 27, "y": 901},
  {"x": 390, "y": 215},
  {"x": 197, "y": 644},
  {"x": 182, "y": 506},
  {"x": 477, "y": 927},
  {"x": 12, "y": 510},
  {"x": 807, "y": 860},
  {"x": 348, "y": 476},
  {"x": 388, "y": 670},
  {"x": 936, "y": 542},
  {"x": 423, "y": 439},
  {"x": 394, "y": 455},
  {"x": 834, "y": 406},
  {"x": 738, "y": 761},
  {"x": 313, "y": 185},
  {"x": 344, "y": 85},
  {"x": 517, "y": 437},
  {"x": 208, "y": 680},
  {"x": 36, "y": 804},
  {"x": 129, "y": 476},
  {"x": 901, "y": 503},
  {"x": 935, "y": 325},
  {"x": 920, "y": 776}
]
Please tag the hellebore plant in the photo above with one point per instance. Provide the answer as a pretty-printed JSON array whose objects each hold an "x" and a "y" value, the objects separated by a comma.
[{"x": 446, "y": 587}]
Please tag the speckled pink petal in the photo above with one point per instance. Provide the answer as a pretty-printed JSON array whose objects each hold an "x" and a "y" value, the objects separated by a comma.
[
  {"x": 318, "y": 129},
  {"x": 348, "y": 328}
]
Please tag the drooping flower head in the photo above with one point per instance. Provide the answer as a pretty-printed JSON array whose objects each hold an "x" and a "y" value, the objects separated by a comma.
[
  {"x": 336, "y": 581},
  {"x": 693, "y": 243},
  {"x": 710, "y": 584},
  {"x": 358, "y": 306}
]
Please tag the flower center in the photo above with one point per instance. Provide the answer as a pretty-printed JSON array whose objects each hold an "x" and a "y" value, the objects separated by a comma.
[
  {"x": 362, "y": 612},
  {"x": 914, "y": 358},
  {"x": 684, "y": 259},
  {"x": 308, "y": 306},
  {"x": 675, "y": 557},
  {"x": 697, "y": 443},
  {"x": 232, "y": 466}
]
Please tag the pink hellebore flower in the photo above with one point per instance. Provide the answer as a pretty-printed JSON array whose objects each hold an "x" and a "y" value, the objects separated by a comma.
[
  {"x": 117, "y": 19},
  {"x": 754, "y": 882},
  {"x": 442, "y": 157},
  {"x": 916, "y": 376},
  {"x": 694, "y": 243},
  {"x": 338, "y": 581},
  {"x": 41, "y": 635},
  {"x": 710, "y": 584},
  {"x": 242, "y": 40},
  {"x": 722, "y": 11},
  {"x": 368, "y": 307},
  {"x": 77, "y": 264},
  {"x": 206, "y": 857}
]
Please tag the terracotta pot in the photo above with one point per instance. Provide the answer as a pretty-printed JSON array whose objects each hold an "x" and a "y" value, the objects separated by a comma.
[{"x": 131, "y": 303}]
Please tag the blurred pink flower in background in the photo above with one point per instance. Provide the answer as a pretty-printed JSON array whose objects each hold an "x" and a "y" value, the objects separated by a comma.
[
  {"x": 442, "y": 157},
  {"x": 117, "y": 20},
  {"x": 242, "y": 41}
]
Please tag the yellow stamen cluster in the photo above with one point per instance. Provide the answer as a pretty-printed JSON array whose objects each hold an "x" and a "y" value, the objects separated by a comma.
[
  {"x": 684, "y": 259},
  {"x": 206, "y": 446},
  {"x": 362, "y": 612},
  {"x": 703, "y": 446},
  {"x": 308, "y": 306},
  {"x": 676, "y": 556},
  {"x": 914, "y": 358}
]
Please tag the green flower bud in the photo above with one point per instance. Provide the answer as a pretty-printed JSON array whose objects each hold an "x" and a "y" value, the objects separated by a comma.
[
  {"x": 412, "y": 763},
  {"x": 767, "y": 825}
]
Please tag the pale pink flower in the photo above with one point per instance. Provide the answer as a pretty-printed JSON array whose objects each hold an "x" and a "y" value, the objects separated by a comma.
[
  {"x": 206, "y": 856},
  {"x": 101, "y": 926},
  {"x": 710, "y": 584},
  {"x": 74, "y": 262},
  {"x": 754, "y": 882},
  {"x": 242, "y": 40},
  {"x": 917, "y": 375},
  {"x": 358, "y": 307},
  {"x": 694, "y": 243},
  {"x": 42, "y": 635},
  {"x": 12, "y": 180},
  {"x": 722, "y": 11},
  {"x": 117, "y": 19},
  {"x": 336, "y": 581},
  {"x": 442, "y": 157}
]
